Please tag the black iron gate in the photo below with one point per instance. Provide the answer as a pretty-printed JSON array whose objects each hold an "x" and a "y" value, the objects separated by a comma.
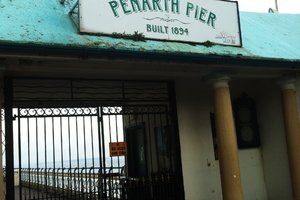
[{"x": 64, "y": 132}]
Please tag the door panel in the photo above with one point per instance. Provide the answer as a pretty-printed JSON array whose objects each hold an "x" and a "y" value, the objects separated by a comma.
[{"x": 137, "y": 161}]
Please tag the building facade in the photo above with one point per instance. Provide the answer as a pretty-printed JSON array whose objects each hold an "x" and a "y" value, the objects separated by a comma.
[{"x": 221, "y": 120}]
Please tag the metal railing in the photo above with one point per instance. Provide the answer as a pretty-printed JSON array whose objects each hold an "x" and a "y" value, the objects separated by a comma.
[
  {"x": 94, "y": 183},
  {"x": 87, "y": 183}
]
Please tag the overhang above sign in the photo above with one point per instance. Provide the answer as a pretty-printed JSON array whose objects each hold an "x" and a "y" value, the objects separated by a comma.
[{"x": 196, "y": 21}]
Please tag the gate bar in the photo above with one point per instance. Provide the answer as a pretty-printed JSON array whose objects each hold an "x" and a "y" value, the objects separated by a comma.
[
  {"x": 178, "y": 164},
  {"x": 8, "y": 98},
  {"x": 20, "y": 159}
]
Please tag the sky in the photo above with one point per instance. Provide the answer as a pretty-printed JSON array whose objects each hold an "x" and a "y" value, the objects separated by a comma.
[{"x": 285, "y": 6}]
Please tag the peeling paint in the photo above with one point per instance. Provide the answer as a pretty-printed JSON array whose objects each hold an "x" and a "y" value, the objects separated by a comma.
[{"x": 47, "y": 23}]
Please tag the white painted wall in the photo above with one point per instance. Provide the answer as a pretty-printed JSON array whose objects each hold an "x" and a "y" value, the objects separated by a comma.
[
  {"x": 200, "y": 170},
  {"x": 273, "y": 153},
  {"x": 253, "y": 180},
  {"x": 274, "y": 150},
  {"x": 264, "y": 171}
]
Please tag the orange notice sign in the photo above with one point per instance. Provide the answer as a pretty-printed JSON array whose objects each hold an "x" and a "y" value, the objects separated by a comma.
[{"x": 118, "y": 149}]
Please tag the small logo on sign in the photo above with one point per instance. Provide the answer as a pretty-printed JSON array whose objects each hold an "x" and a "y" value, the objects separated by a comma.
[{"x": 226, "y": 38}]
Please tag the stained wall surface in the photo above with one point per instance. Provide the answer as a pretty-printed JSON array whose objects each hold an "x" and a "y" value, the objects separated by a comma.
[{"x": 264, "y": 170}]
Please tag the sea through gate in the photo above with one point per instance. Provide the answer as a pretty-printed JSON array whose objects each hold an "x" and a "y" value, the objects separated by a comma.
[{"x": 58, "y": 135}]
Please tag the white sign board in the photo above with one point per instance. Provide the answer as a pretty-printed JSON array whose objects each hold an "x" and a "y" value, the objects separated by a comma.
[{"x": 196, "y": 21}]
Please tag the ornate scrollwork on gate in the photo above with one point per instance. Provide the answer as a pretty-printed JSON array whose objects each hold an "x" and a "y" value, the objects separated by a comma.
[
  {"x": 2, "y": 114},
  {"x": 57, "y": 112},
  {"x": 112, "y": 110},
  {"x": 134, "y": 109}
]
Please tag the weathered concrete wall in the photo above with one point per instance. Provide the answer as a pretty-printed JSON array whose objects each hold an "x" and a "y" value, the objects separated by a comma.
[{"x": 264, "y": 170}]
